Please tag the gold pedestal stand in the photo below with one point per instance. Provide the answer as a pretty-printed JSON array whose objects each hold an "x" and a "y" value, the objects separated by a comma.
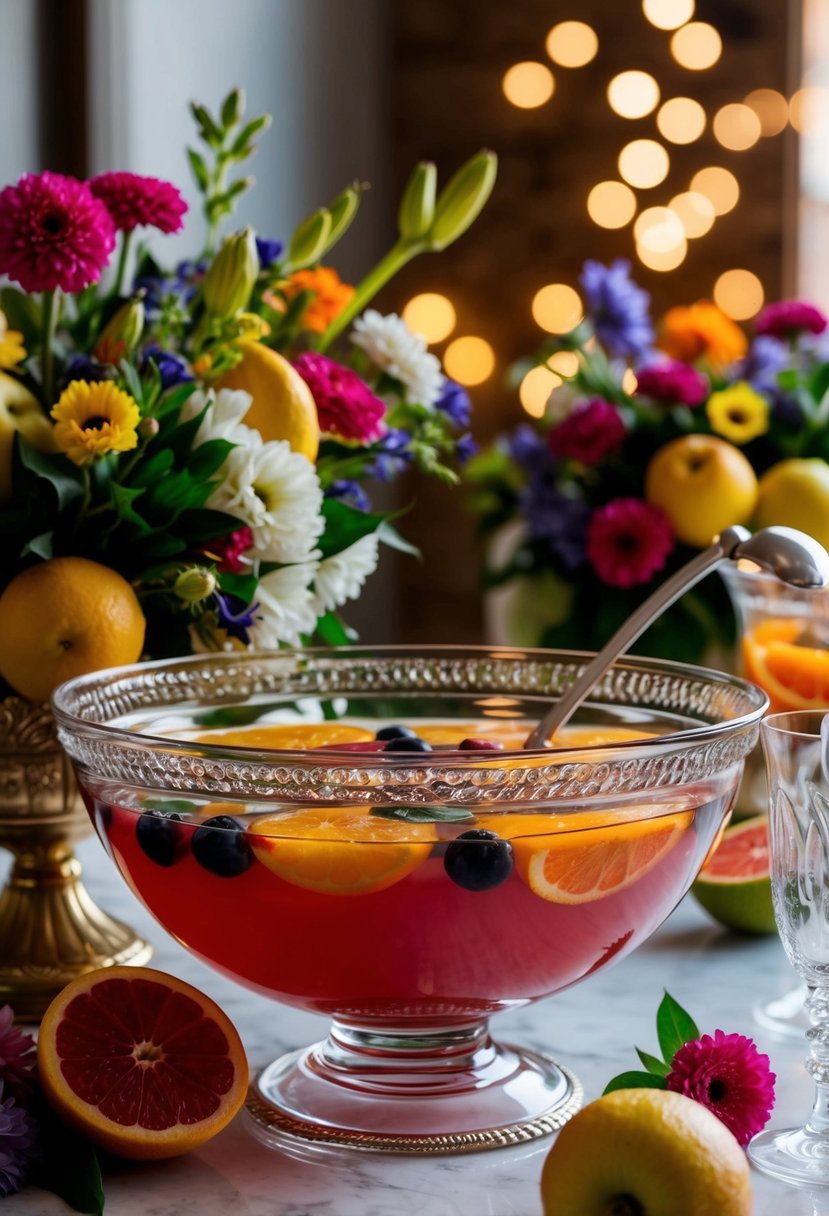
[{"x": 50, "y": 929}]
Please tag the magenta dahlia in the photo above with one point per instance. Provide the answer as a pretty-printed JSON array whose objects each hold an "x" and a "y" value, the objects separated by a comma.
[
  {"x": 591, "y": 432},
  {"x": 672, "y": 382},
  {"x": 346, "y": 406},
  {"x": 730, "y": 1076},
  {"x": 132, "y": 200},
  {"x": 54, "y": 233},
  {"x": 17, "y": 1056},
  {"x": 628, "y": 541},
  {"x": 787, "y": 317}
]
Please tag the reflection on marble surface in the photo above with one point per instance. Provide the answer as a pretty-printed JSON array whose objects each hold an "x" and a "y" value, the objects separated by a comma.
[{"x": 717, "y": 976}]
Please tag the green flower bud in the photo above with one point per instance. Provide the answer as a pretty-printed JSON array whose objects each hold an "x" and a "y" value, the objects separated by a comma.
[
  {"x": 123, "y": 330},
  {"x": 195, "y": 584},
  {"x": 232, "y": 275},
  {"x": 343, "y": 209},
  {"x": 310, "y": 240},
  {"x": 462, "y": 200},
  {"x": 148, "y": 428},
  {"x": 417, "y": 206}
]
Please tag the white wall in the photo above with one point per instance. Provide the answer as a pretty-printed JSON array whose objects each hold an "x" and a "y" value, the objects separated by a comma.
[{"x": 18, "y": 90}]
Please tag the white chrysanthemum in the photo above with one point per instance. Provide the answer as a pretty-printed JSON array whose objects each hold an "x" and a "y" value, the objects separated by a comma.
[
  {"x": 390, "y": 344},
  {"x": 341, "y": 576},
  {"x": 285, "y": 606},
  {"x": 223, "y": 420},
  {"x": 276, "y": 492}
]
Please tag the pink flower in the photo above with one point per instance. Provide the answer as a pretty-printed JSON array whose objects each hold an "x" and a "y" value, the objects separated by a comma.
[
  {"x": 628, "y": 541},
  {"x": 672, "y": 381},
  {"x": 727, "y": 1074},
  {"x": 17, "y": 1056},
  {"x": 788, "y": 317},
  {"x": 591, "y": 432},
  {"x": 226, "y": 551},
  {"x": 53, "y": 233},
  {"x": 132, "y": 200},
  {"x": 345, "y": 404}
]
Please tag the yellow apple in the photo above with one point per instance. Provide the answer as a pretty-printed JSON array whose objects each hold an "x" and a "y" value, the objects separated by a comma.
[
  {"x": 645, "y": 1152},
  {"x": 20, "y": 411},
  {"x": 796, "y": 493},
  {"x": 703, "y": 485}
]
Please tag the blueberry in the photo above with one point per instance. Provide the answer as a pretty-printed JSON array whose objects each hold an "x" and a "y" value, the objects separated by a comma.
[
  {"x": 478, "y": 860},
  {"x": 161, "y": 836},
  {"x": 395, "y": 732},
  {"x": 480, "y": 745},
  {"x": 407, "y": 743},
  {"x": 220, "y": 845}
]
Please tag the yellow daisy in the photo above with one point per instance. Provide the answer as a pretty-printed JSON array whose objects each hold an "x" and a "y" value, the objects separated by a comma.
[
  {"x": 738, "y": 413},
  {"x": 12, "y": 350},
  {"x": 93, "y": 419}
]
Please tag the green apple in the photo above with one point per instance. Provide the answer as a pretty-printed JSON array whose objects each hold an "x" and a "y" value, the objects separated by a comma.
[
  {"x": 796, "y": 493},
  {"x": 645, "y": 1152},
  {"x": 703, "y": 485},
  {"x": 20, "y": 411}
]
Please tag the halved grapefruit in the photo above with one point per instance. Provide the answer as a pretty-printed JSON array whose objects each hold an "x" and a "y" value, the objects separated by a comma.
[
  {"x": 143, "y": 1064},
  {"x": 734, "y": 885}
]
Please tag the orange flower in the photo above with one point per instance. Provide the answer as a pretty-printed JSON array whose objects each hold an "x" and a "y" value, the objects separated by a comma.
[
  {"x": 330, "y": 295},
  {"x": 701, "y": 331}
]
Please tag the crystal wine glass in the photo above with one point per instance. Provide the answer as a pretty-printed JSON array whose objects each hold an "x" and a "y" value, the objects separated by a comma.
[{"x": 797, "y": 761}]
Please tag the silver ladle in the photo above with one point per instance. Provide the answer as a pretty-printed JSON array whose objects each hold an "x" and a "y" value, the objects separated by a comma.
[{"x": 793, "y": 556}]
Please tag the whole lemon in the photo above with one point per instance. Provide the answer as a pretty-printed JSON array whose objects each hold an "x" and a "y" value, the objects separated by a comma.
[
  {"x": 282, "y": 405},
  {"x": 795, "y": 493},
  {"x": 703, "y": 485},
  {"x": 63, "y": 618},
  {"x": 20, "y": 411},
  {"x": 646, "y": 1151}
]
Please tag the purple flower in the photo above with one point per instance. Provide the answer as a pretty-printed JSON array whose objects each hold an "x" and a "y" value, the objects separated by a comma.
[
  {"x": 268, "y": 251},
  {"x": 394, "y": 454},
  {"x": 235, "y": 616},
  {"x": 84, "y": 367},
  {"x": 591, "y": 432},
  {"x": 672, "y": 381},
  {"x": 556, "y": 521},
  {"x": 17, "y": 1146},
  {"x": 172, "y": 369},
  {"x": 529, "y": 449},
  {"x": 767, "y": 356},
  {"x": 617, "y": 308},
  {"x": 455, "y": 403},
  {"x": 465, "y": 448},
  {"x": 350, "y": 492},
  {"x": 786, "y": 318},
  {"x": 17, "y": 1057}
]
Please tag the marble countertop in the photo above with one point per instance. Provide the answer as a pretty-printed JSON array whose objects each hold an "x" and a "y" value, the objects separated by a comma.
[{"x": 716, "y": 975}]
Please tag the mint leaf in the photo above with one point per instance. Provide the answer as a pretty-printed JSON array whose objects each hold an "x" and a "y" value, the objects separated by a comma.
[
  {"x": 634, "y": 1080},
  {"x": 674, "y": 1027},
  {"x": 170, "y": 806},
  {"x": 423, "y": 814},
  {"x": 658, "y": 1067}
]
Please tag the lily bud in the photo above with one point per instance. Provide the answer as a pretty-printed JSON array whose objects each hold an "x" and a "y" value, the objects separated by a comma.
[
  {"x": 195, "y": 584},
  {"x": 123, "y": 330},
  {"x": 232, "y": 275},
  {"x": 310, "y": 240},
  {"x": 343, "y": 209},
  {"x": 463, "y": 199},
  {"x": 417, "y": 206}
]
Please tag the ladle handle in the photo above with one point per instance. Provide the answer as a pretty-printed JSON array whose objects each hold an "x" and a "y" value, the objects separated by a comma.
[{"x": 662, "y": 598}]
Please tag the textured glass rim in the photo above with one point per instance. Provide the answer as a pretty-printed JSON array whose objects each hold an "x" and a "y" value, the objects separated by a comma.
[
  {"x": 577, "y": 772},
  {"x": 773, "y": 723}
]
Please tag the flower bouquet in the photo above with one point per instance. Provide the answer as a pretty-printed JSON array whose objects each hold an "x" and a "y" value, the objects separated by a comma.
[
  {"x": 655, "y": 441},
  {"x": 186, "y": 454}
]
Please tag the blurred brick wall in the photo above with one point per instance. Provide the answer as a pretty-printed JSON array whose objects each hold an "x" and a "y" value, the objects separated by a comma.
[{"x": 449, "y": 60}]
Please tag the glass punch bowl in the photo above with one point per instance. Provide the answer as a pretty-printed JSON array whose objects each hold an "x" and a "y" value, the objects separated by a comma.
[{"x": 408, "y": 895}]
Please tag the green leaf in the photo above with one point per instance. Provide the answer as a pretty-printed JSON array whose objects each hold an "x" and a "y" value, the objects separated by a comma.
[
  {"x": 208, "y": 129},
  {"x": 243, "y": 586},
  {"x": 334, "y": 632},
  {"x": 233, "y": 107},
  {"x": 151, "y": 471},
  {"x": 22, "y": 313},
  {"x": 68, "y": 1165},
  {"x": 634, "y": 1080},
  {"x": 344, "y": 525},
  {"x": 65, "y": 479},
  {"x": 199, "y": 169},
  {"x": 208, "y": 458},
  {"x": 40, "y": 546},
  {"x": 423, "y": 814},
  {"x": 240, "y": 145},
  {"x": 658, "y": 1067},
  {"x": 391, "y": 537},
  {"x": 122, "y": 498},
  {"x": 170, "y": 806},
  {"x": 674, "y": 1027},
  {"x": 205, "y": 524}
]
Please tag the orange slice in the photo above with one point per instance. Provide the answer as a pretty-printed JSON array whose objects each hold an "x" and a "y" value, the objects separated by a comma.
[
  {"x": 794, "y": 676},
  {"x": 579, "y": 865},
  {"x": 340, "y": 852},
  {"x": 143, "y": 1064},
  {"x": 289, "y": 736}
]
